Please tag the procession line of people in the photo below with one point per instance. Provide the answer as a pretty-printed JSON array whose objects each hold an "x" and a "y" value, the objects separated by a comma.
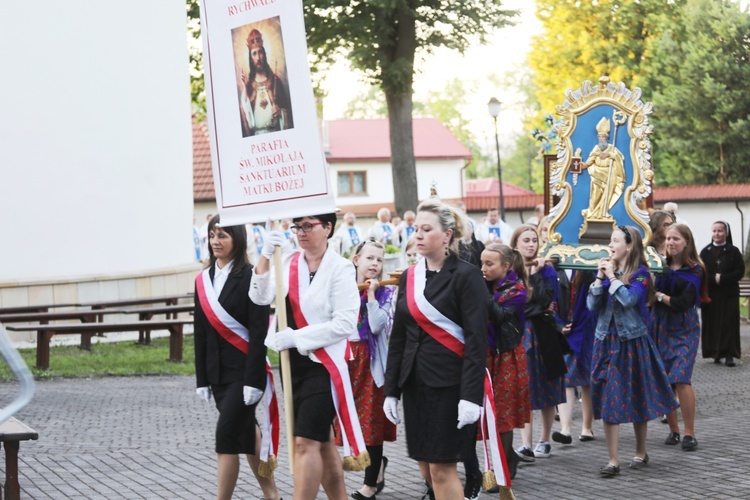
[{"x": 518, "y": 330}]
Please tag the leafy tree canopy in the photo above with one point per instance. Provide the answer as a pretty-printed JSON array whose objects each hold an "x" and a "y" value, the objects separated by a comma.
[
  {"x": 701, "y": 108},
  {"x": 584, "y": 40}
]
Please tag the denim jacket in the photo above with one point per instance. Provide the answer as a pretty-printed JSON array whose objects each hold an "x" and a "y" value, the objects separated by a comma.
[{"x": 625, "y": 305}]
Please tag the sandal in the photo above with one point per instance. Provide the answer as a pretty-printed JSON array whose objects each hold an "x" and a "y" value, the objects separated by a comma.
[
  {"x": 639, "y": 462},
  {"x": 609, "y": 470}
]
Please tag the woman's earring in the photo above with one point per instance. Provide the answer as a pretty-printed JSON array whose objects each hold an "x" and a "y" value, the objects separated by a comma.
[{"x": 446, "y": 250}]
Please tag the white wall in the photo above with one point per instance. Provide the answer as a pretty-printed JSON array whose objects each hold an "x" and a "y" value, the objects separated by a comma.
[
  {"x": 700, "y": 216},
  {"x": 95, "y": 138},
  {"x": 446, "y": 173}
]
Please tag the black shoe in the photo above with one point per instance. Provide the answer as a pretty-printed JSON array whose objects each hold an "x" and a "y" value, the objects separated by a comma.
[
  {"x": 473, "y": 487},
  {"x": 639, "y": 462},
  {"x": 729, "y": 362},
  {"x": 494, "y": 490},
  {"x": 673, "y": 438},
  {"x": 359, "y": 496},
  {"x": 379, "y": 487},
  {"x": 609, "y": 470},
  {"x": 689, "y": 443},
  {"x": 512, "y": 460},
  {"x": 429, "y": 494},
  {"x": 559, "y": 437},
  {"x": 586, "y": 437},
  {"x": 526, "y": 454},
  {"x": 717, "y": 361},
  {"x": 664, "y": 419}
]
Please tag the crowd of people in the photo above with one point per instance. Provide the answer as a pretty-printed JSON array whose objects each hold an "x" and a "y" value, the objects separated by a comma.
[{"x": 477, "y": 311}]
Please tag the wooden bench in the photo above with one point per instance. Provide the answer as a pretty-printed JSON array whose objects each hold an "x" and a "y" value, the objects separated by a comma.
[
  {"x": 146, "y": 313},
  {"x": 119, "y": 304},
  {"x": 45, "y": 332},
  {"x": 745, "y": 294},
  {"x": 43, "y": 318},
  {"x": 32, "y": 309},
  {"x": 12, "y": 432}
]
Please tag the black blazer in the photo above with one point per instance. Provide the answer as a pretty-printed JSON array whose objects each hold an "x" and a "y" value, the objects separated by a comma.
[
  {"x": 458, "y": 292},
  {"x": 216, "y": 360}
]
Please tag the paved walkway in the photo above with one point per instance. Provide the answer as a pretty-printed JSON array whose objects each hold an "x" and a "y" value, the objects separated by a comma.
[{"x": 150, "y": 437}]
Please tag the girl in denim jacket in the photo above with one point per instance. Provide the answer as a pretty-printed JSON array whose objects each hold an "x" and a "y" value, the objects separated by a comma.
[{"x": 628, "y": 383}]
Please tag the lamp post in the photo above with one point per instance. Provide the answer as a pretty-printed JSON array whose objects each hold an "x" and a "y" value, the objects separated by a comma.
[{"x": 494, "y": 108}]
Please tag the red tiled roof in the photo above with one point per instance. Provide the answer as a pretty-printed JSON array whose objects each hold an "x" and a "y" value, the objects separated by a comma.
[
  {"x": 703, "y": 193},
  {"x": 371, "y": 209},
  {"x": 369, "y": 140},
  {"x": 489, "y": 187},
  {"x": 203, "y": 179},
  {"x": 516, "y": 202}
]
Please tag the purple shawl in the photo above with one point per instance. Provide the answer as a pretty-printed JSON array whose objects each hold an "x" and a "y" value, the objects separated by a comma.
[{"x": 383, "y": 296}]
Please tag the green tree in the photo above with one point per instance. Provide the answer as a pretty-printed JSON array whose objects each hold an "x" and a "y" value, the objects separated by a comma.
[
  {"x": 445, "y": 105},
  {"x": 524, "y": 166},
  {"x": 195, "y": 52},
  {"x": 584, "y": 40},
  {"x": 701, "y": 109},
  {"x": 382, "y": 38},
  {"x": 369, "y": 103}
]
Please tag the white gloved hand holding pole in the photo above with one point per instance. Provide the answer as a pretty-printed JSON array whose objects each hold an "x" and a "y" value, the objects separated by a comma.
[
  {"x": 390, "y": 408},
  {"x": 272, "y": 240},
  {"x": 468, "y": 413},
  {"x": 204, "y": 393}
]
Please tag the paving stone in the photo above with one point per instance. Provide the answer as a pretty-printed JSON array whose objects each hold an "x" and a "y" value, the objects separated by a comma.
[{"x": 151, "y": 437}]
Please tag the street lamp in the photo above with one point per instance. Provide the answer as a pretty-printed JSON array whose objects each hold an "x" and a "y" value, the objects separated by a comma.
[{"x": 494, "y": 108}]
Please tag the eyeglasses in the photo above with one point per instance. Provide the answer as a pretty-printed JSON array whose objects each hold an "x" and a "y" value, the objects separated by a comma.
[
  {"x": 628, "y": 238},
  {"x": 306, "y": 227}
]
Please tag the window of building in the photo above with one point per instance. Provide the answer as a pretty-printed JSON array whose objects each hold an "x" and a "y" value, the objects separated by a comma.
[{"x": 352, "y": 183}]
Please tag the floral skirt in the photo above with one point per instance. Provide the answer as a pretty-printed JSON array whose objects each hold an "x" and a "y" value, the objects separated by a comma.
[
  {"x": 543, "y": 392},
  {"x": 579, "y": 370},
  {"x": 510, "y": 382},
  {"x": 628, "y": 381},
  {"x": 676, "y": 335},
  {"x": 369, "y": 399}
]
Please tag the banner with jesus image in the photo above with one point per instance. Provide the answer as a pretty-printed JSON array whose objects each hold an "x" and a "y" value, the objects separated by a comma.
[{"x": 267, "y": 156}]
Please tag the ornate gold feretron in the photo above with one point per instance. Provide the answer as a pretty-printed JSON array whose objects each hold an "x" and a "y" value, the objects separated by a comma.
[{"x": 604, "y": 118}]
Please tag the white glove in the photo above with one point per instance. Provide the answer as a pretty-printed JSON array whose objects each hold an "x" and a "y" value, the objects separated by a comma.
[
  {"x": 204, "y": 393},
  {"x": 272, "y": 240},
  {"x": 285, "y": 339},
  {"x": 468, "y": 413},
  {"x": 251, "y": 395},
  {"x": 390, "y": 408}
]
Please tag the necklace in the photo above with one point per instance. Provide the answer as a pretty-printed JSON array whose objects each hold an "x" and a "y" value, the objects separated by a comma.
[{"x": 312, "y": 275}]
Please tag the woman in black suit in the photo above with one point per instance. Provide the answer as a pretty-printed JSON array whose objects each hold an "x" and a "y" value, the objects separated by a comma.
[
  {"x": 230, "y": 357},
  {"x": 437, "y": 350}
]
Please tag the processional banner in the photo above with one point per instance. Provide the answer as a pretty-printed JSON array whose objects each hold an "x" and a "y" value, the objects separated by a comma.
[
  {"x": 603, "y": 174},
  {"x": 266, "y": 151}
]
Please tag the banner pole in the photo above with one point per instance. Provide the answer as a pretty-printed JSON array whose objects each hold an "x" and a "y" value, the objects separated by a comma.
[{"x": 286, "y": 369}]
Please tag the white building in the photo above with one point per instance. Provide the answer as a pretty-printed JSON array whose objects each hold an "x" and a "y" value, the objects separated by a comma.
[{"x": 96, "y": 152}]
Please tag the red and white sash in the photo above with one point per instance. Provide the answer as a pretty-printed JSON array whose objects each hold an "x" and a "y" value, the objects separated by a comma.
[
  {"x": 229, "y": 328},
  {"x": 334, "y": 359},
  {"x": 269, "y": 443},
  {"x": 237, "y": 334},
  {"x": 494, "y": 455},
  {"x": 432, "y": 321}
]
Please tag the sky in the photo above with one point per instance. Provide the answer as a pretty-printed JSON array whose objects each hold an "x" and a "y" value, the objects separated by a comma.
[{"x": 505, "y": 52}]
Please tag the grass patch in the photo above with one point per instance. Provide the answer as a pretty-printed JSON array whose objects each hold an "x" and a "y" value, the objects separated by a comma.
[{"x": 113, "y": 359}]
